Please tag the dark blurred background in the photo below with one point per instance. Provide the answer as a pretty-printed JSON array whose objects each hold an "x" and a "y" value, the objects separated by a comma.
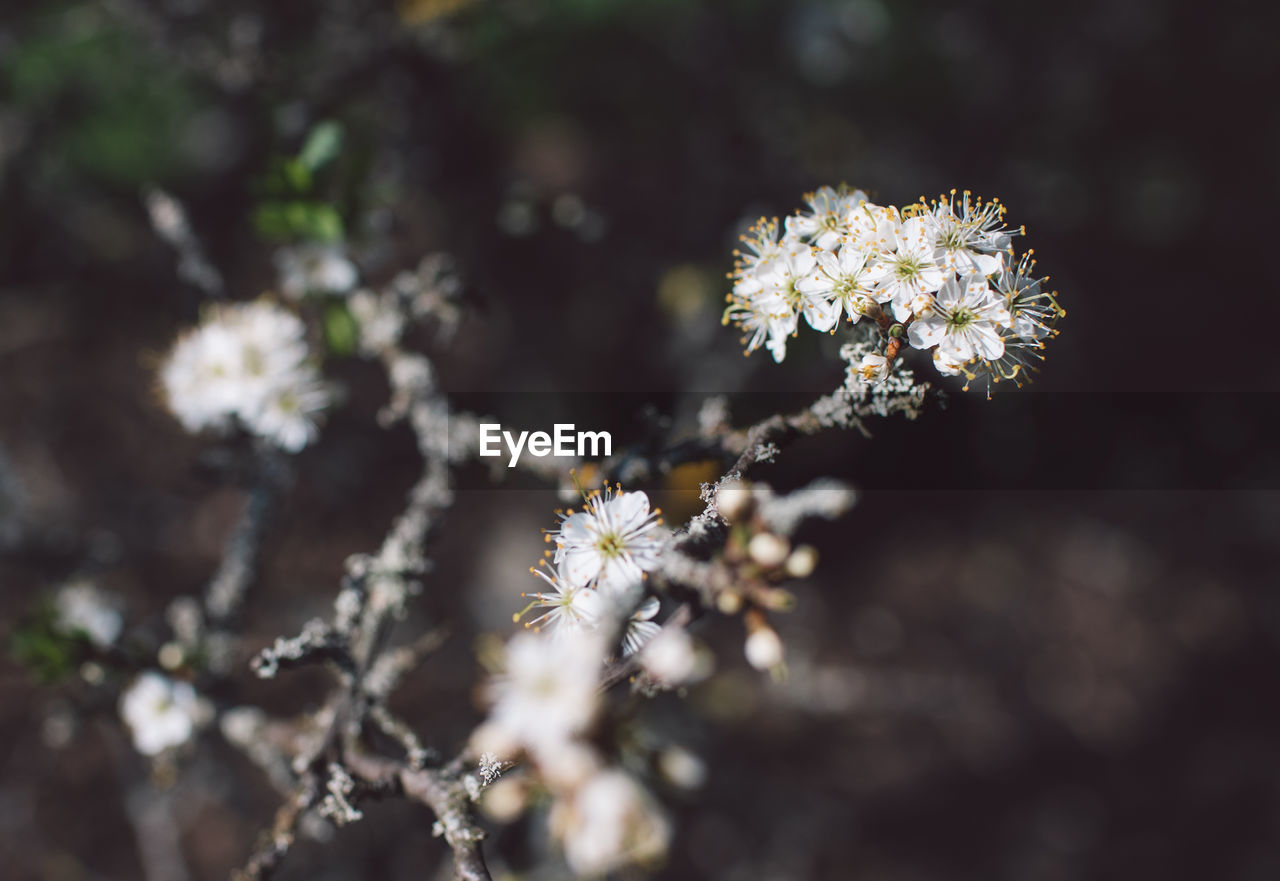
[{"x": 1048, "y": 671}]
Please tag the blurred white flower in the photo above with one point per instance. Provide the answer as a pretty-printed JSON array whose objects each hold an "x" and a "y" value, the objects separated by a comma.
[
  {"x": 161, "y": 713},
  {"x": 608, "y": 822},
  {"x": 287, "y": 415},
  {"x": 82, "y": 607},
  {"x": 379, "y": 317},
  {"x": 246, "y": 362},
  {"x": 611, "y": 543},
  {"x": 670, "y": 657},
  {"x": 314, "y": 268},
  {"x": 548, "y": 693}
]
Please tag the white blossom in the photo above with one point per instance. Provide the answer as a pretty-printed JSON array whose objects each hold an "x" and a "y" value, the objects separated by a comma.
[
  {"x": 1032, "y": 309},
  {"x": 548, "y": 692},
  {"x": 314, "y": 268},
  {"x": 571, "y": 607},
  {"x": 161, "y": 712},
  {"x": 380, "y": 319},
  {"x": 842, "y": 278},
  {"x": 904, "y": 268},
  {"x": 763, "y": 316},
  {"x": 912, "y": 261},
  {"x": 611, "y": 543},
  {"x": 763, "y": 301},
  {"x": 246, "y": 363},
  {"x": 763, "y": 248},
  {"x": 782, "y": 283},
  {"x": 872, "y": 368},
  {"x": 608, "y": 822},
  {"x": 969, "y": 236},
  {"x": 964, "y": 321},
  {"x": 829, "y": 217},
  {"x": 84, "y": 608}
]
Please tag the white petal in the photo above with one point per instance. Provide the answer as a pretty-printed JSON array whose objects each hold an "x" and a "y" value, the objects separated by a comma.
[
  {"x": 950, "y": 293},
  {"x": 926, "y": 331},
  {"x": 628, "y": 511},
  {"x": 987, "y": 342},
  {"x": 820, "y": 314},
  {"x": 958, "y": 345}
]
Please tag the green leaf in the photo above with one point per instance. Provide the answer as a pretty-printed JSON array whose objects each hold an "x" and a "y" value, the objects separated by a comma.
[
  {"x": 298, "y": 220},
  {"x": 298, "y": 175},
  {"x": 323, "y": 144},
  {"x": 47, "y": 652},
  {"x": 324, "y": 223},
  {"x": 341, "y": 333}
]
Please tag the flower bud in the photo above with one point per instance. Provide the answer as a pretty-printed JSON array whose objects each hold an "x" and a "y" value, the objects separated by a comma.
[
  {"x": 802, "y": 562},
  {"x": 682, "y": 768},
  {"x": 171, "y": 656},
  {"x": 504, "y": 800},
  {"x": 768, "y": 550},
  {"x": 733, "y": 500},
  {"x": 729, "y": 602},
  {"x": 764, "y": 648}
]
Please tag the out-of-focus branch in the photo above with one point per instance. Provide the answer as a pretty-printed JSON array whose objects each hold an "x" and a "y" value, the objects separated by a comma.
[
  {"x": 275, "y": 843},
  {"x": 169, "y": 220},
  {"x": 336, "y": 771},
  {"x": 740, "y": 449},
  {"x": 444, "y": 791}
]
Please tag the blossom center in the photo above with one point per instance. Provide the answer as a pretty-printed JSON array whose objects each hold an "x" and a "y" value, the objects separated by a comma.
[
  {"x": 908, "y": 268},
  {"x": 610, "y": 545},
  {"x": 962, "y": 317}
]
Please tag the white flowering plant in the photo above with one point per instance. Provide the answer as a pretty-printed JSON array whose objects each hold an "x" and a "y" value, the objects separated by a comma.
[
  {"x": 622, "y": 594},
  {"x": 941, "y": 276}
]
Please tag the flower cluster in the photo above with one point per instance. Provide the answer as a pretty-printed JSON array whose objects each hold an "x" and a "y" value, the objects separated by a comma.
[
  {"x": 546, "y": 701},
  {"x": 544, "y": 707},
  {"x": 941, "y": 273},
  {"x": 246, "y": 364}
]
